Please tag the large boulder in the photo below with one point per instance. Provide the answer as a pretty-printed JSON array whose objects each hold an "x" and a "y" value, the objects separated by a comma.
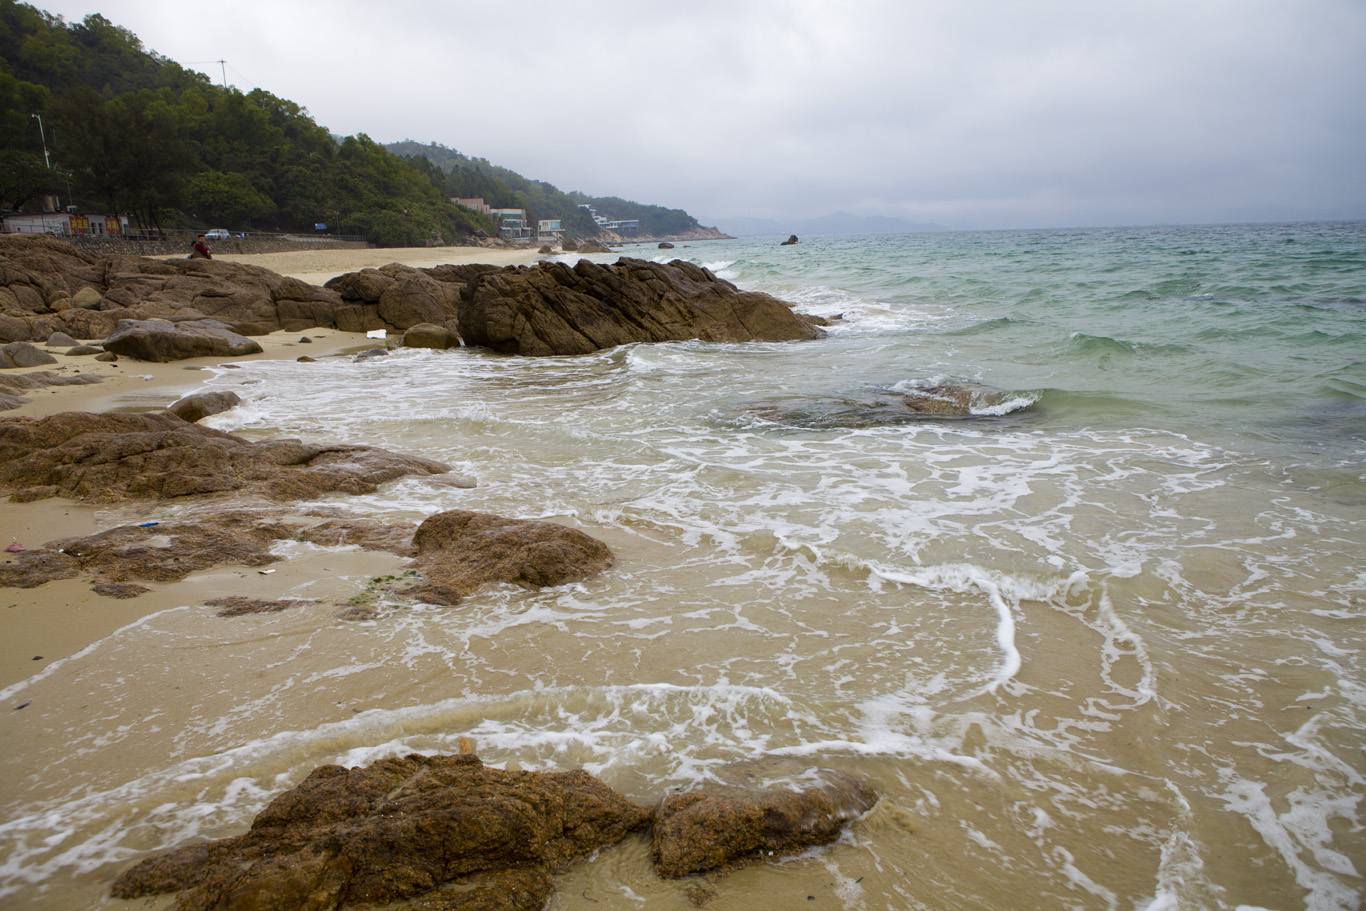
[
  {"x": 725, "y": 827},
  {"x": 161, "y": 340},
  {"x": 196, "y": 407},
  {"x": 458, "y": 551},
  {"x": 553, "y": 309},
  {"x": 22, "y": 354},
  {"x": 426, "y": 335},
  {"x": 399, "y": 830},
  {"x": 112, "y": 457}
]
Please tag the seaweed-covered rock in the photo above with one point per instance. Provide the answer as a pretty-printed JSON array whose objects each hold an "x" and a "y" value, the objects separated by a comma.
[{"x": 397, "y": 830}]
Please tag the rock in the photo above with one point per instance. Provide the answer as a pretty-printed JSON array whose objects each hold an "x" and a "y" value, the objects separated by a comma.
[
  {"x": 237, "y": 605},
  {"x": 458, "y": 551},
  {"x": 593, "y": 246},
  {"x": 22, "y": 354},
  {"x": 196, "y": 407},
  {"x": 399, "y": 830},
  {"x": 792, "y": 239},
  {"x": 305, "y": 359},
  {"x": 553, "y": 309},
  {"x": 83, "y": 351},
  {"x": 665, "y": 245},
  {"x": 87, "y": 298},
  {"x": 569, "y": 245},
  {"x": 305, "y": 340},
  {"x": 546, "y": 250},
  {"x": 373, "y": 352},
  {"x": 726, "y": 827},
  {"x": 113, "y": 457},
  {"x": 9, "y": 402},
  {"x": 162, "y": 341},
  {"x": 61, "y": 340},
  {"x": 427, "y": 335},
  {"x": 42, "y": 379},
  {"x": 120, "y": 590},
  {"x": 107, "y": 357},
  {"x": 942, "y": 402}
]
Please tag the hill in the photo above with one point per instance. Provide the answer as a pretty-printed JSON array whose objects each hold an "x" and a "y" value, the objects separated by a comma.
[
  {"x": 464, "y": 177},
  {"x": 89, "y": 115}
]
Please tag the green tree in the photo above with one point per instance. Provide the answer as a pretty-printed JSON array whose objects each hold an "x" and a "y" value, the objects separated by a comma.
[{"x": 225, "y": 198}]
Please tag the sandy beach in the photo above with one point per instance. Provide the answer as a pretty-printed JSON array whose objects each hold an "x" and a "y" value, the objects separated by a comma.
[{"x": 54, "y": 621}]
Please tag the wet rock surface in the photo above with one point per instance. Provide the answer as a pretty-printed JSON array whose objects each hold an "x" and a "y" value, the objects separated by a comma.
[
  {"x": 195, "y": 408},
  {"x": 724, "y": 827},
  {"x": 111, "y": 457},
  {"x": 399, "y": 829},
  {"x": 459, "y": 551},
  {"x": 876, "y": 407}
]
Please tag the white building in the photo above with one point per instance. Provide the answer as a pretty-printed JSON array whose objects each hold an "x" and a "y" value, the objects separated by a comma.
[{"x": 64, "y": 224}]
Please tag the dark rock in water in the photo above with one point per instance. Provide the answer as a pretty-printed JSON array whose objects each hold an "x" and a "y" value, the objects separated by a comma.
[
  {"x": 112, "y": 457},
  {"x": 555, "y": 309},
  {"x": 162, "y": 341},
  {"x": 195, "y": 408},
  {"x": 458, "y": 551},
  {"x": 665, "y": 245},
  {"x": 305, "y": 359},
  {"x": 427, "y": 335},
  {"x": 545, "y": 250},
  {"x": 22, "y": 354},
  {"x": 593, "y": 246},
  {"x": 120, "y": 590},
  {"x": 373, "y": 352},
  {"x": 723, "y": 827},
  {"x": 943, "y": 402},
  {"x": 792, "y": 239},
  {"x": 398, "y": 830},
  {"x": 237, "y": 605},
  {"x": 569, "y": 245}
]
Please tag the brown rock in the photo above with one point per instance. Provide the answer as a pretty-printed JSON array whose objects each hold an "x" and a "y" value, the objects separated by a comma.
[
  {"x": 237, "y": 605},
  {"x": 121, "y": 590},
  {"x": 458, "y": 551},
  {"x": 196, "y": 407},
  {"x": 162, "y": 341},
  {"x": 427, "y": 335},
  {"x": 728, "y": 827},
  {"x": 111, "y": 457},
  {"x": 399, "y": 830},
  {"x": 22, "y": 354}
]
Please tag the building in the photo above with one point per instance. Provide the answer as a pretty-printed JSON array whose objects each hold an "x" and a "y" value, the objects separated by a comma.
[
  {"x": 474, "y": 202},
  {"x": 548, "y": 228},
  {"x": 67, "y": 224},
  {"x": 512, "y": 222},
  {"x": 624, "y": 224}
]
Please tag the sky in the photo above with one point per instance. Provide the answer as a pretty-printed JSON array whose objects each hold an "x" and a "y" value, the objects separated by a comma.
[{"x": 959, "y": 113}]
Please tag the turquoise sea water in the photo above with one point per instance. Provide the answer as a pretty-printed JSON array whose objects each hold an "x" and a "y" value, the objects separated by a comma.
[{"x": 1099, "y": 645}]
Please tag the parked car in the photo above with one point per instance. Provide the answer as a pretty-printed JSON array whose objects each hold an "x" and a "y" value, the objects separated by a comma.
[{"x": 217, "y": 234}]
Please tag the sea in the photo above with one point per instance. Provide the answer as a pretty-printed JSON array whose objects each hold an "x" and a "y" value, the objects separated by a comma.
[{"x": 1099, "y": 642}]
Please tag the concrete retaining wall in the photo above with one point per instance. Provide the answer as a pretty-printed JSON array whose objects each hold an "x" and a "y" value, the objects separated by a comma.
[{"x": 112, "y": 246}]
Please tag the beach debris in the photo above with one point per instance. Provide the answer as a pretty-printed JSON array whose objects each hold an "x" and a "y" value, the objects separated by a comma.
[
  {"x": 398, "y": 830},
  {"x": 147, "y": 524},
  {"x": 16, "y": 548},
  {"x": 376, "y": 333}
]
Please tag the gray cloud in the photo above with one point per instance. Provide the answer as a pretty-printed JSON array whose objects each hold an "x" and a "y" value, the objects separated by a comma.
[{"x": 972, "y": 114}]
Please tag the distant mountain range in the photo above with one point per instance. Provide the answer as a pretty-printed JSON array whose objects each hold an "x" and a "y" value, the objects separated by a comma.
[{"x": 835, "y": 223}]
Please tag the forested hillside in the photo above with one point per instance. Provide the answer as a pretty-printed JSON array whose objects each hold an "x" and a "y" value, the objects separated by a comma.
[
  {"x": 462, "y": 176},
  {"x": 89, "y": 115}
]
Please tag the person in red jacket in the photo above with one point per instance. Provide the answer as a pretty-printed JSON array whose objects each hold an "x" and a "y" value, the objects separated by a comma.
[{"x": 200, "y": 249}]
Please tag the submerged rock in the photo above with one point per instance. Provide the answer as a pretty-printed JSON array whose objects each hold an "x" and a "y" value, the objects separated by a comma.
[
  {"x": 398, "y": 830},
  {"x": 944, "y": 402}
]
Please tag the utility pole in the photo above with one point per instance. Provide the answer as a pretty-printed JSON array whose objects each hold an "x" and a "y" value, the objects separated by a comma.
[
  {"x": 43, "y": 137},
  {"x": 223, "y": 65}
]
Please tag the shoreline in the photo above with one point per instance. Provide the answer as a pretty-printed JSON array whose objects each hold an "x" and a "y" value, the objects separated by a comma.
[{"x": 57, "y": 620}]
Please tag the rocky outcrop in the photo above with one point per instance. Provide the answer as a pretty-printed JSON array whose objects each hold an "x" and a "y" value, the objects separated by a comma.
[
  {"x": 162, "y": 340},
  {"x": 427, "y": 335},
  {"x": 399, "y": 830},
  {"x": 726, "y": 827},
  {"x": 546, "y": 309},
  {"x": 553, "y": 309},
  {"x": 111, "y": 457},
  {"x": 791, "y": 239},
  {"x": 458, "y": 551}
]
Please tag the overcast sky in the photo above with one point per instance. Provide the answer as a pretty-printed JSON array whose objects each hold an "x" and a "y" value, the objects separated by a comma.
[{"x": 965, "y": 113}]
